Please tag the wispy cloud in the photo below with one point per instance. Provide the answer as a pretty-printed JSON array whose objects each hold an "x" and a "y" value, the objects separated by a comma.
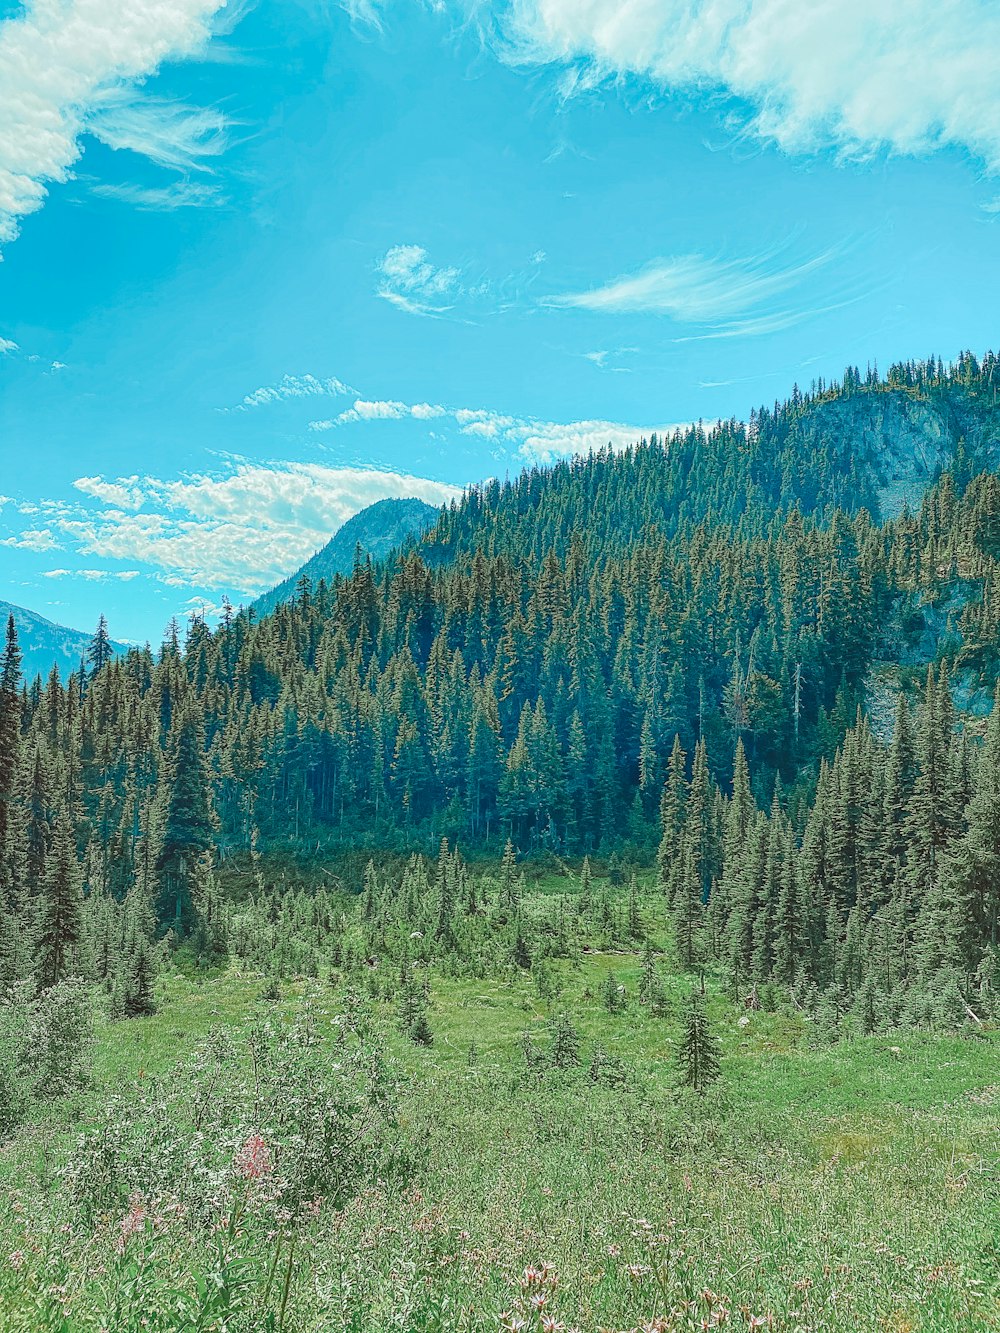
[
  {"x": 7, "y": 346},
  {"x": 411, "y": 282},
  {"x": 908, "y": 76},
  {"x": 295, "y": 386},
  {"x": 171, "y": 134},
  {"x": 63, "y": 67},
  {"x": 606, "y": 358},
  {"x": 407, "y": 278},
  {"x": 694, "y": 290},
  {"x": 161, "y": 199}
]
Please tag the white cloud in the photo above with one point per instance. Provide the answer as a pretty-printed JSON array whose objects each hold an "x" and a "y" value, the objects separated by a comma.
[
  {"x": 363, "y": 11},
  {"x": 92, "y": 575},
  {"x": 161, "y": 199},
  {"x": 524, "y": 438},
  {"x": 170, "y": 134},
  {"x": 60, "y": 62},
  {"x": 33, "y": 539},
  {"x": 691, "y": 289},
  {"x": 295, "y": 386},
  {"x": 243, "y": 531},
  {"x": 7, "y": 346},
  {"x": 125, "y": 493},
  {"x": 378, "y": 410},
  {"x": 858, "y": 76},
  {"x": 384, "y": 409},
  {"x": 411, "y": 282},
  {"x": 548, "y": 441}
]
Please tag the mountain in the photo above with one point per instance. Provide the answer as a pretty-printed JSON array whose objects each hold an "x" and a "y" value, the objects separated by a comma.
[
  {"x": 378, "y": 530},
  {"x": 45, "y": 644}
]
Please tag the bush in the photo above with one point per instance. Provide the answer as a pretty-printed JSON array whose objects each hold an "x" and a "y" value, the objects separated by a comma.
[
  {"x": 46, "y": 1045},
  {"x": 60, "y": 1036},
  {"x": 327, "y": 1123}
]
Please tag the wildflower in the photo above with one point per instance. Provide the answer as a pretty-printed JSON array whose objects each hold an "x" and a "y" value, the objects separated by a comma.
[
  {"x": 550, "y": 1324},
  {"x": 637, "y": 1270},
  {"x": 133, "y": 1221},
  {"x": 539, "y": 1300},
  {"x": 253, "y": 1160},
  {"x": 17, "y": 1260}
]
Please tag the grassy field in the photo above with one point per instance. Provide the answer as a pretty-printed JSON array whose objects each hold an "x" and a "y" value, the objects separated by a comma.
[{"x": 817, "y": 1186}]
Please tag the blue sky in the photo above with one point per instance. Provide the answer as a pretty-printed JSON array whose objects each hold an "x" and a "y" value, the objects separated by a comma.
[{"x": 265, "y": 263}]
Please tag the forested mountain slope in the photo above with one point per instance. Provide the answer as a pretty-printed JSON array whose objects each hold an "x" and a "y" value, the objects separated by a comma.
[
  {"x": 665, "y": 647},
  {"x": 376, "y": 531},
  {"x": 45, "y": 645}
]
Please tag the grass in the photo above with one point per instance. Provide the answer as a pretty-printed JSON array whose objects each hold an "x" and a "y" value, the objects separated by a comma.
[{"x": 851, "y": 1186}]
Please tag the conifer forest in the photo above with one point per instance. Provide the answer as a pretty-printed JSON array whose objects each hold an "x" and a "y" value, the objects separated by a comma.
[{"x": 584, "y": 917}]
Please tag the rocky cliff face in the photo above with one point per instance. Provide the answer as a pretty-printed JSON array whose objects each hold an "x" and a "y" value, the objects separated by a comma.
[{"x": 902, "y": 438}]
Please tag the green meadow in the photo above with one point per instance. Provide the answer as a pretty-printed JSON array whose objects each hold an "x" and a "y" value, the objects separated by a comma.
[{"x": 483, "y": 1181}]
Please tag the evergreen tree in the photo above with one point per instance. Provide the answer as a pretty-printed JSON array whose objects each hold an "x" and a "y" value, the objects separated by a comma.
[
  {"x": 61, "y": 919},
  {"x": 699, "y": 1054},
  {"x": 99, "y": 651},
  {"x": 187, "y": 828}
]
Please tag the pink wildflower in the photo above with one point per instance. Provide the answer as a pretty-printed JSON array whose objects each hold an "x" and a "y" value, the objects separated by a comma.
[
  {"x": 133, "y": 1221},
  {"x": 17, "y": 1260},
  {"x": 253, "y": 1160}
]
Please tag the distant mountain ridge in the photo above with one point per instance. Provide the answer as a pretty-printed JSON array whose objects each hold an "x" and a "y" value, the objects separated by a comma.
[
  {"x": 45, "y": 644},
  {"x": 378, "y": 529}
]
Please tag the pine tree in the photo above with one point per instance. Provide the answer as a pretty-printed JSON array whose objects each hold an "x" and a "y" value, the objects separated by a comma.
[
  {"x": 61, "y": 919},
  {"x": 10, "y": 758},
  {"x": 187, "y": 829},
  {"x": 99, "y": 651},
  {"x": 687, "y": 911},
  {"x": 672, "y": 816},
  {"x": 699, "y": 1054}
]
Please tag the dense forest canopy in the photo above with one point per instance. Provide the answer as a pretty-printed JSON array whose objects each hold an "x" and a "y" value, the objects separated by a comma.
[{"x": 669, "y": 652}]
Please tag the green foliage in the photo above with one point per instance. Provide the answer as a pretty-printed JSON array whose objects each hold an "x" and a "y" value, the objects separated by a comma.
[{"x": 46, "y": 1047}]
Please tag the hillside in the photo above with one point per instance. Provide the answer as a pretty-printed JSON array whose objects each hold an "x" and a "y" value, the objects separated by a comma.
[
  {"x": 614, "y": 657},
  {"x": 377, "y": 530},
  {"x": 45, "y": 644}
]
